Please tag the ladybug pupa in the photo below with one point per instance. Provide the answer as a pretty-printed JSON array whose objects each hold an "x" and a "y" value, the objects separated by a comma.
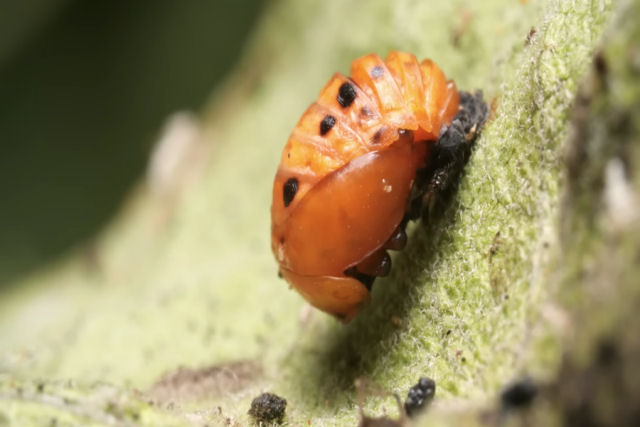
[{"x": 358, "y": 166}]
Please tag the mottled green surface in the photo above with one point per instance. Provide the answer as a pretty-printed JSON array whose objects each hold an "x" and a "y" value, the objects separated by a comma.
[{"x": 189, "y": 280}]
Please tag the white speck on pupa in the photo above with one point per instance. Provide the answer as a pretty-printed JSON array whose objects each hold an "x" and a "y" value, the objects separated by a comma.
[{"x": 387, "y": 188}]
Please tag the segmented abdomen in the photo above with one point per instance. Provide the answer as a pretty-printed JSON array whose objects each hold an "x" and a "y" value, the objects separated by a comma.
[{"x": 356, "y": 115}]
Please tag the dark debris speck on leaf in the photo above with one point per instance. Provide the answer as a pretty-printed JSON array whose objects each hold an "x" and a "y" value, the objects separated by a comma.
[
  {"x": 420, "y": 395},
  {"x": 268, "y": 408},
  {"x": 519, "y": 394}
]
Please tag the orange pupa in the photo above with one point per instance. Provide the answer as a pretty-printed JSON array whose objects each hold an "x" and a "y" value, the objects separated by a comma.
[{"x": 344, "y": 183}]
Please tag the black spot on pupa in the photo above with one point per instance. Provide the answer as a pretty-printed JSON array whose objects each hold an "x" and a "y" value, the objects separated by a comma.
[
  {"x": 376, "y": 72},
  {"x": 346, "y": 94},
  {"x": 366, "y": 113},
  {"x": 326, "y": 124},
  {"x": 289, "y": 191},
  {"x": 375, "y": 139}
]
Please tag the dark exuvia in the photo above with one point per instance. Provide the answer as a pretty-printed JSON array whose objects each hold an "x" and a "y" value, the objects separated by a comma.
[
  {"x": 419, "y": 396},
  {"x": 268, "y": 408}
]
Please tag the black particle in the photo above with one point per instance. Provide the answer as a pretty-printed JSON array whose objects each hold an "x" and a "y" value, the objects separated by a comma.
[
  {"x": 289, "y": 191},
  {"x": 268, "y": 408},
  {"x": 326, "y": 124},
  {"x": 519, "y": 394},
  {"x": 420, "y": 395},
  {"x": 600, "y": 64},
  {"x": 346, "y": 94},
  {"x": 376, "y": 72}
]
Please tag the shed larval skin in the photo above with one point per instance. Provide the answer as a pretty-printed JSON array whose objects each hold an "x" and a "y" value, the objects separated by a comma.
[{"x": 346, "y": 172}]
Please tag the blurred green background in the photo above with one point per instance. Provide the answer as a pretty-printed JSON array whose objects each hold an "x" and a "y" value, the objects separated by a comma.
[{"x": 84, "y": 88}]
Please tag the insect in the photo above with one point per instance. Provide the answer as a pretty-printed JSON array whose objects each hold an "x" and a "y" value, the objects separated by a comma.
[{"x": 360, "y": 164}]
